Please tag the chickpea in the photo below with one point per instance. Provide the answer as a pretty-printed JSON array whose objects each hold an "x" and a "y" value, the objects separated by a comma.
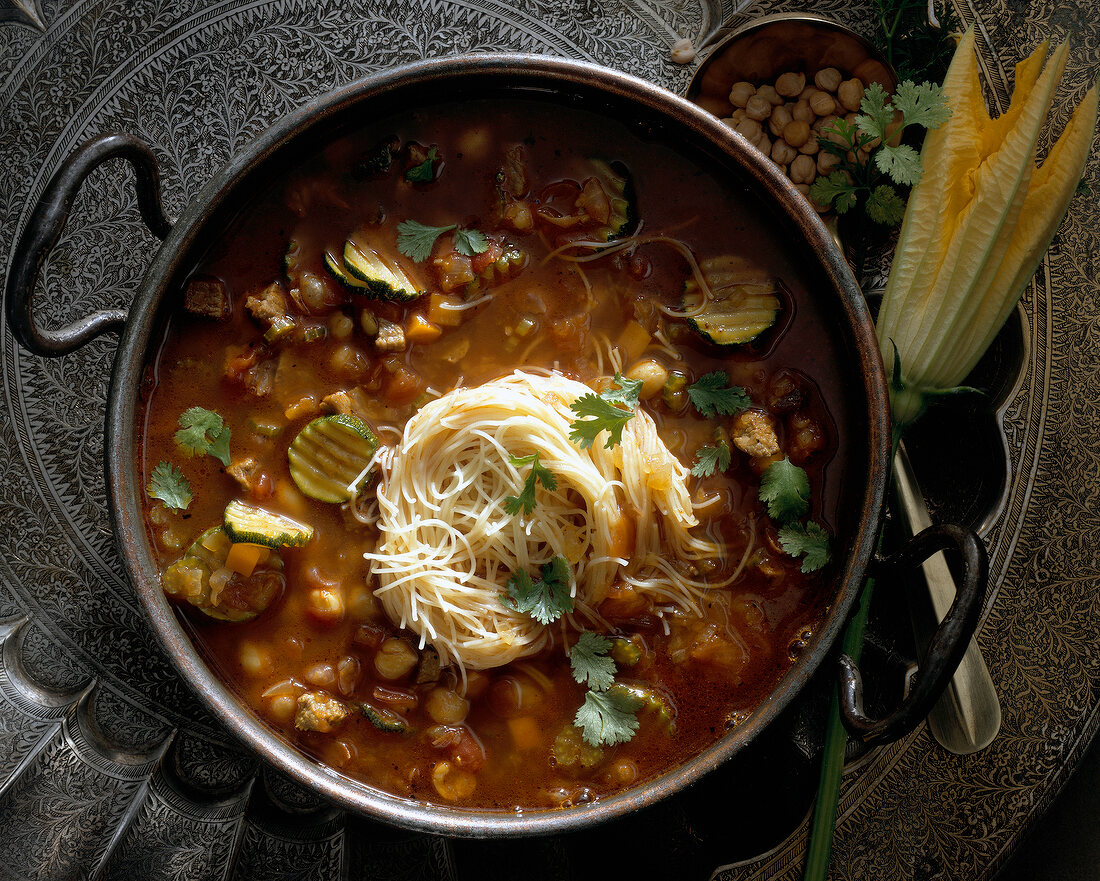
[
  {"x": 750, "y": 128},
  {"x": 828, "y": 78},
  {"x": 446, "y": 707},
  {"x": 451, "y": 783},
  {"x": 806, "y": 93},
  {"x": 849, "y": 93},
  {"x": 803, "y": 112},
  {"x": 804, "y": 189},
  {"x": 321, "y": 675},
  {"x": 341, "y": 326},
  {"x": 282, "y": 708},
  {"x": 790, "y": 84},
  {"x": 395, "y": 659},
  {"x": 740, "y": 93},
  {"x": 803, "y": 170},
  {"x": 325, "y": 605},
  {"x": 822, "y": 103},
  {"x": 811, "y": 147},
  {"x": 796, "y": 133},
  {"x": 347, "y": 675},
  {"x": 769, "y": 94},
  {"x": 758, "y": 108},
  {"x": 255, "y": 660},
  {"x": 782, "y": 152},
  {"x": 763, "y": 143},
  {"x": 362, "y": 604},
  {"x": 738, "y": 115},
  {"x": 780, "y": 118},
  {"x": 826, "y": 162},
  {"x": 349, "y": 361},
  {"x": 653, "y": 376}
]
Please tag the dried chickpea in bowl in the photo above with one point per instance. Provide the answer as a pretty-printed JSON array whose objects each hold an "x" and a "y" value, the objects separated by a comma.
[{"x": 782, "y": 80}]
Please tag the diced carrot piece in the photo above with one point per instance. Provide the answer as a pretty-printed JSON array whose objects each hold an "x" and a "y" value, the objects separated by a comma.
[
  {"x": 445, "y": 309},
  {"x": 525, "y": 732},
  {"x": 243, "y": 558},
  {"x": 633, "y": 341},
  {"x": 420, "y": 330}
]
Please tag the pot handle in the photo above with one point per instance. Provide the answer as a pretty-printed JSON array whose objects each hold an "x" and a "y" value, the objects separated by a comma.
[
  {"x": 946, "y": 647},
  {"x": 44, "y": 228}
]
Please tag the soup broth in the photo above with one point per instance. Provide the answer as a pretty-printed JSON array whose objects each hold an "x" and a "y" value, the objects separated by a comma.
[{"x": 552, "y": 242}]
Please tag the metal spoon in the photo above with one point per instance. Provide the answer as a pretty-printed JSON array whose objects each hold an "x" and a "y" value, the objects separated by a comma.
[{"x": 967, "y": 716}]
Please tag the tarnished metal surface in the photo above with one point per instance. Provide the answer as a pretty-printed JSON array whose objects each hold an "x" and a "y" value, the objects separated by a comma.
[{"x": 108, "y": 768}]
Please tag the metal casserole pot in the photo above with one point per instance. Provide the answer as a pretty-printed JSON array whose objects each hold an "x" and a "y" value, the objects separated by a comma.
[{"x": 656, "y": 113}]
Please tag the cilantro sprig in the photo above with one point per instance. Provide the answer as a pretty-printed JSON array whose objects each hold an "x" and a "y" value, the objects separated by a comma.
[
  {"x": 415, "y": 239},
  {"x": 709, "y": 459},
  {"x": 873, "y": 181},
  {"x": 525, "y": 501},
  {"x": 713, "y": 395},
  {"x": 590, "y": 662},
  {"x": 203, "y": 432},
  {"x": 425, "y": 171},
  {"x": 785, "y": 488},
  {"x": 167, "y": 483},
  {"x": 608, "y": 717},
  {"x": 605, "y": 412},
  {"x": 546, "y": 598}
]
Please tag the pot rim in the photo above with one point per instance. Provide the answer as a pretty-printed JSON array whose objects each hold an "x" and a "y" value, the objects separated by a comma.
[{"x": 522, "y": 73}]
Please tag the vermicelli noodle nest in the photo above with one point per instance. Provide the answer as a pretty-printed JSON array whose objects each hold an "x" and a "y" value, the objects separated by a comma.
[{"x": 447, "y": 545}]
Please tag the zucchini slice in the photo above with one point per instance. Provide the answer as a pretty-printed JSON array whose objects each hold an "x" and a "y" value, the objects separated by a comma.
[
  {"x": 336, "y": 267},
  {"x": 653, "y": 699},
  {"x": 742, "y": 305},
  {"x": 328, "y": 454},
  {"x": 246, "y": 523},
  {"x": 380, "y": 280},
  {"x": 230, "y": 597},
  {"x": 618, "y": 186},
  {"x": 385, "y": 720}
]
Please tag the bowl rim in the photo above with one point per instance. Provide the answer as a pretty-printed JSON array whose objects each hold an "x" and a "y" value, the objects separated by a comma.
[{"x": 553, "y": 76}]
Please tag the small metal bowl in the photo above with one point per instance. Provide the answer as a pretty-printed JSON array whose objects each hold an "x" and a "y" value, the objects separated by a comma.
[{"x": 757, "y": 52}]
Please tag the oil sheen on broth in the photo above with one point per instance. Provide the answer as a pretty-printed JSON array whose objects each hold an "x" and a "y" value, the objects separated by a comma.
[{"x": 275, "y": 335}]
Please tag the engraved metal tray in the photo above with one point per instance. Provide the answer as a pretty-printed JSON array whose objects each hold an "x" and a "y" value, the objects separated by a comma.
[{"x": 109, "y": 767}]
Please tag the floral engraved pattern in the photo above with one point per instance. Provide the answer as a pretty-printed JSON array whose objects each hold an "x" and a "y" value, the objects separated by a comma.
[{"x": 134, "y": 779}]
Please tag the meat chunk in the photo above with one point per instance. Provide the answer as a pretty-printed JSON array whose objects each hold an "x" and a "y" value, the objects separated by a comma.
[
  {"x": 318, "y": 711},
  {"x": 753, "y": 433},
  {"x": 209, "y": 297},
  {"x": 267, "y": 305},
  {"x": 391, "y": 337},
  {"x": 246, "y": 472}
]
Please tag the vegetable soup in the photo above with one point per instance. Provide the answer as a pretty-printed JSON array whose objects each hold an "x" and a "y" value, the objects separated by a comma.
[{"x": 493, "y": 455}]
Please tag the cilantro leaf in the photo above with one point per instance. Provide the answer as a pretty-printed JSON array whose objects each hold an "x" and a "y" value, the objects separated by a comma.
[
  {"x": 526, "y": 500},
  {"x": 545, "y": 599},
  {"x": 590, "y": 663},
  {"x": 901, "y": 163},
  {"x": 713, "y": 395},
  {"x": 415, "y": 239},
  {"x": 878, "y": 113},
  {"x": 627, "y": 393},
  {"x": 885, "y": 206},
  {"x": 843, "y": 131},
  {"x": 809, "y": 541},
  {"x": 425, "y": 171},
  {"x": 710, "y": 459},
  {"x": 922, "y": 105},
  {"x": 607, "y": 717},
  {"x": 202, "y": 431},
  {"x": 786, "y": 489},
  {"x": 469, "y": 242},
  {"x": 168, "y": 484},
  {"x": 605, "y": 412},
  {"x": 836, "y": 186}
]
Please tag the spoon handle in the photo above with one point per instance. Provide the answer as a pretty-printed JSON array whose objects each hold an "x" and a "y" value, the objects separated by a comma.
[{"x": 967, "y": 716}]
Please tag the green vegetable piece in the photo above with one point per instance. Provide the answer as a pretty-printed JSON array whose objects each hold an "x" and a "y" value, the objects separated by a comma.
[
  {"x": 608, "y": 717},
  {"x": 335, "y": 266},
  {"x": 786, "y": 489},
  {"x": 674, "y": 394},
  {"x": 650, "y": 697},
  {"x": 740, "y": 306},
  {"x": 539, "y": 473},
  {"x": 168, "y": 484},
  {"x": 570, "y": 750},
  {"x": 590, "y": 662},
  {"x": 545, "y": 599},
  {"x": 329, "y": 454},
  {"x": 382, "y": 281},
  {"x": 618, "y": 187},
  {"x": 385, "y": 719},
  {"x": 470, "y": 242},
  {"x": 712, "y": 395},
  {"x": 281, "y": 326},
  {"x": 425, "y": 171},
  {"x": 203, "y": 432},
  {"x": 188, "y": 579},
  {"x": 246, "y": 523},
  {"x": 885, "y": 206},
  {"x": 626, "y": 652},
  {"x": 809, "y": 541}
]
